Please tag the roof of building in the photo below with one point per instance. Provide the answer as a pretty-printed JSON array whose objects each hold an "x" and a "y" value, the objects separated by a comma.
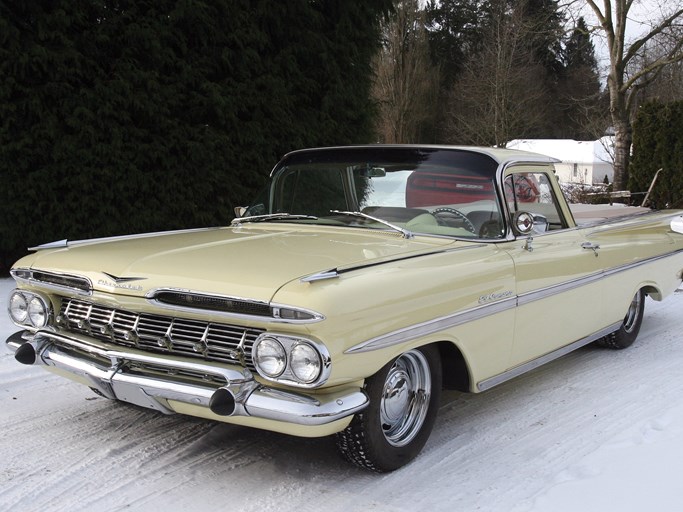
[{"x": 568, "y": 150}]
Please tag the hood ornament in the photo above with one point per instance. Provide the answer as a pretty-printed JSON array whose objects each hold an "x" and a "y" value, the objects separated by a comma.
[{"x": 120, "y": 282}]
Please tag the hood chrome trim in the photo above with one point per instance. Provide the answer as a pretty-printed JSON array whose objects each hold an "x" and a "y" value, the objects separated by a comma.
[
  {"x": 53, "y": 280},
  {"x": 62, "y": 244},
  {"x": 59, "y": 244},
  {"x": 321, "y": 276},
  {"x": 262, "y": 310},
  {"x": 334, "y": 273}
]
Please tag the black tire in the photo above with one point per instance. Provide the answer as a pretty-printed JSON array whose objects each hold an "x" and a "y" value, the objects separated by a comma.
[
  {"x": 404, "y": 399},
  {"x": 628, "y": 332}
]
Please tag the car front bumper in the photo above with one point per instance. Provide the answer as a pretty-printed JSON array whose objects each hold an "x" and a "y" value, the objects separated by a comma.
[{"x": 161, "y": 383}]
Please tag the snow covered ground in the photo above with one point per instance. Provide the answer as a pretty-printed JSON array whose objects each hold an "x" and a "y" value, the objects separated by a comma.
[{"x": 597, "y": 430}]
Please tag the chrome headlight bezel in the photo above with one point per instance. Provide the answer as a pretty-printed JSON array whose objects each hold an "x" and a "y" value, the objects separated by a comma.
[
  {"x": 17, "y": 308},
  {"x": 270, "y": 357},
  {"x": 305, "y": 363},
  {"x": 298, "y": 350},
  {"x": 37, "y": 313}
]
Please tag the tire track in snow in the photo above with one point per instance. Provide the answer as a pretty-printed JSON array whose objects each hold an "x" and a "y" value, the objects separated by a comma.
[
  {"x": 488, "y": 452},
  {"x": 126, "y": 437}
]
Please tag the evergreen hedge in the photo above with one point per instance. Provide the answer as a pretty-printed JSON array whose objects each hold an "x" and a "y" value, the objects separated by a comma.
[
  {"x": 658, "y": 143},
  {"x": 144, "y": 115}
]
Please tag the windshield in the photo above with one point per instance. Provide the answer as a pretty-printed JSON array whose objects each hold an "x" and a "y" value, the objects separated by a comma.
[{"x": 414, "y": 190}]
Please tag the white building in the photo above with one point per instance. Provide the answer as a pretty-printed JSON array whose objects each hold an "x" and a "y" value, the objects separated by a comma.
[{"x": 583, "y": 162}]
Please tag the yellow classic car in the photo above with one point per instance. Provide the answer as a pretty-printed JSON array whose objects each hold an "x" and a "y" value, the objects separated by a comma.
[{"x": 357, "y": 286}]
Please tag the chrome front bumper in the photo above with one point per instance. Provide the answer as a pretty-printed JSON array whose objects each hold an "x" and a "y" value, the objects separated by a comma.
[{"x": 152, "y": 381}]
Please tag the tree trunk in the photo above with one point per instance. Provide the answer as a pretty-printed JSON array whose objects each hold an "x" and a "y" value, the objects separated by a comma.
[
  {"x": 621, "y": 120},
  {"x": 622, "y": 151}
]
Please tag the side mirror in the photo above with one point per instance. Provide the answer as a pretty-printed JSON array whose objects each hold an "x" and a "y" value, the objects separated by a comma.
[
  {"x": 522, "y": 223},
  {"x": 240, "y": 211}
]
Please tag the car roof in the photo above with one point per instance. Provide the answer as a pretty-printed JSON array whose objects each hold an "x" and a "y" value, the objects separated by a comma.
[{"x": 500, "y": 155}]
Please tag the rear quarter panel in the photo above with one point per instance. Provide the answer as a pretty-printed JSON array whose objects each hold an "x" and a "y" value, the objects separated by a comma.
[{"x": 635, "y": 253}]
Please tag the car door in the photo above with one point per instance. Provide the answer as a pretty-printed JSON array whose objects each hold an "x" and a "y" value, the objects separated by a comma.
[{"x": 558, "y": 280}]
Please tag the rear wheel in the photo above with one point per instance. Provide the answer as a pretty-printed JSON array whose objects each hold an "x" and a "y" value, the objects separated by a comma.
[
  {"x": 404, "y": 399},
  {"x": 628, "y": 332}
]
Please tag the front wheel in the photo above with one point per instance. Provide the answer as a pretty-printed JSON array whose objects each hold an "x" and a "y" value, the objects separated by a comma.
[
  {"x": 404, "y": 399},
  {"x": 628, "y": 332}
]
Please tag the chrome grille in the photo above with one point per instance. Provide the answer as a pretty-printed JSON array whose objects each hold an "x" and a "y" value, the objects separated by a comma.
[{"x": 160, "y": 334}]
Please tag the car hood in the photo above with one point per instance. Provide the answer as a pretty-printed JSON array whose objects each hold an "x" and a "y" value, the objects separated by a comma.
[{"x": 250, "y": 262}]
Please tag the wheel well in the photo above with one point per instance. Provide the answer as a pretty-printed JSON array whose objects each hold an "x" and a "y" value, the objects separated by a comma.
[
  {"x": 653, "y": 292},
  {"x": 455, "y": 373}
]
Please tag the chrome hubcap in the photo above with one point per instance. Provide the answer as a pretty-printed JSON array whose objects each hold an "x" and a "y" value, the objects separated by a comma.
[
  {"x": 405, "y": 398},
  {"x": 633, "y": 312}
]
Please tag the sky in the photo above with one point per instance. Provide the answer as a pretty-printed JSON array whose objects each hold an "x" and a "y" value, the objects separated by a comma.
[{"x": 642, "y": 15}]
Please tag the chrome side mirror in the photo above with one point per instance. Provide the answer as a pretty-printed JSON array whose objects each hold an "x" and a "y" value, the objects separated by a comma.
[
  {"x": 240, "y": 211},
  {"x": 522, "y": 223}
]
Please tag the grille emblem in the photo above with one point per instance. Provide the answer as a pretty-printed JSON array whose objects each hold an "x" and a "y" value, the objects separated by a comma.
[
  {"x": 165, "y": 342},
  {"x": 131, "y": 336}
]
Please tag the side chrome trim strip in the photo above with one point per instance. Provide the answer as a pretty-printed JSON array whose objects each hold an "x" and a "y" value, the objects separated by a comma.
[
  {"x": 630, "y": 266},
  {"x": 544, "y": 293},
  {"x": 449, "y": 321},
  {"x": 535, "y": 363},
  {"x": 432, "y": 326}
]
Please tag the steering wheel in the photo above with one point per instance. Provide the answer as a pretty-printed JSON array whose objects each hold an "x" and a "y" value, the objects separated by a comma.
[{"x": 452, "y": 212}]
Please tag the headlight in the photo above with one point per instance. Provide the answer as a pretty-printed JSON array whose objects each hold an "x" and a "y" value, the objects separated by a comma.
[
  {"x": 28, "y": 309},
  {"x": 37, "y": 312},
  {"x": 291, "y": 360},
  {"x": 305, "y": 362},
  {"x": 270, "y": 357},
  {"x": 18, "y": 308}
]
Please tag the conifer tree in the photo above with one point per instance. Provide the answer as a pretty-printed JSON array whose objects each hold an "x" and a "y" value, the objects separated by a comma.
[
  {"x": 658, "y": 144},
  {"x": 139, "y": 115},
  {"x": 580, "y": 97}
]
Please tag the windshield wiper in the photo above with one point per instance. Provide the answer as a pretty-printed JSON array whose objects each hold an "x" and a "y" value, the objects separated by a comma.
[
  {"x": 272, "y": 216},
  {"x": 404, "y": 232}
]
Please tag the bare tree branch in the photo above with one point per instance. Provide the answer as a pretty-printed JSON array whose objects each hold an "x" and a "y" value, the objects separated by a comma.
[{"x": 624, "y": 81}]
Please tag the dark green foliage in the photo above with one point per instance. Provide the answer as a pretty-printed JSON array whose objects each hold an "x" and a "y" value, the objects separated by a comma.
[
  {"x": 455, "y": 33},
  {"x": 519, "y": 49},
  {"x": 579, "y": 51},
  {"x": 580, "y": 101},
  {"x": 544, "y": 22},
  {"x": 658, "y": 143},
  {"x": 130, "y": 116}
]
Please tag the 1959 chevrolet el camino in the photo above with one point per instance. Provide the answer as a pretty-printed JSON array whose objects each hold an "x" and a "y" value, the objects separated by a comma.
[{"x": 362, "y": 282}]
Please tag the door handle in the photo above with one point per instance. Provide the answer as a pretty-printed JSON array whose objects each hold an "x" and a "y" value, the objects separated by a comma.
[{"x": 591, "y": 246}]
